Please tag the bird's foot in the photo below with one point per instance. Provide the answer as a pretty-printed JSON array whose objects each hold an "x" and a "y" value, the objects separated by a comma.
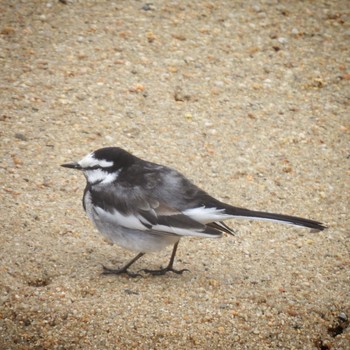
[
  {"x": 121, "y": 271},
  {"x": 161, "y": 272}
]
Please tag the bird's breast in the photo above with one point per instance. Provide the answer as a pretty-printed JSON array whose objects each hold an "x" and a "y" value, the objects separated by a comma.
[{"x": 87, "y": 203}]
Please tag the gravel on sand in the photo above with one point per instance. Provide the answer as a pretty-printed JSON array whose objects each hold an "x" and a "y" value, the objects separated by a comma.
[{"x": 249, "y": 99}]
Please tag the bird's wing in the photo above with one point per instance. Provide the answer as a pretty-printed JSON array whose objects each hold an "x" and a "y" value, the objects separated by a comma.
[
  {"x": 203, "y": 208},
  {"x": 166, "y": 219},
  {"x": 148, "y": 196},
  {"x": 135, "y": 208}
]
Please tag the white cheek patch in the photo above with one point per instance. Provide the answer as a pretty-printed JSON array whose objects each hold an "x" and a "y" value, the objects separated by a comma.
[
  {"x": 90, "y": 161},
  {"x": 100, "y": 176}
]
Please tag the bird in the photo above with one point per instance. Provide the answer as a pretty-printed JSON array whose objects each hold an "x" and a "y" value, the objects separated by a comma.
[{"x": 144, "y": 207}]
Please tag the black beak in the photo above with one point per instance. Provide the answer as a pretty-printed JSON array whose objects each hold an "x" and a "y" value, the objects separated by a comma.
[{"x": 74, "y": 165}]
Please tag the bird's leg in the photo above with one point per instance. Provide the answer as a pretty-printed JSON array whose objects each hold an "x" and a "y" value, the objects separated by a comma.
[
  {"x": 169, "y": 267},
  {"x": 123, "y": 269}
]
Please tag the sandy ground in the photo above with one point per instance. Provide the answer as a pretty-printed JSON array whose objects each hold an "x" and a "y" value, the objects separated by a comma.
[{"x": 249, "y": 99}]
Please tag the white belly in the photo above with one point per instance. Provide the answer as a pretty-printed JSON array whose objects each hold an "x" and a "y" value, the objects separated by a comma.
[{"x": 143, "y": 241}]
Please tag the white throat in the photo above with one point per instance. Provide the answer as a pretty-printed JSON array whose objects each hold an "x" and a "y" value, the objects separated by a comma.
[{"x": 99, "y": 176}]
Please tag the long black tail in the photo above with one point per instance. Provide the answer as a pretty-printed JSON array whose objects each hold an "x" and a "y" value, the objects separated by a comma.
[{"x": 287, "y": 219}]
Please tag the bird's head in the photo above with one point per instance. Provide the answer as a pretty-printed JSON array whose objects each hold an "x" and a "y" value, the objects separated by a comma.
[{"x": 102, "y": 166}]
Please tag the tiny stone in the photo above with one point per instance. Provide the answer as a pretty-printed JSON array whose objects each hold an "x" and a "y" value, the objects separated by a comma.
[
  {"x": 282, "y": 40},
  {"x": 256, "y": 8},
  {"x": 343, "y": 317},
  {"x": 147, "y": 7},
  {"x": 21, "y": 137}
]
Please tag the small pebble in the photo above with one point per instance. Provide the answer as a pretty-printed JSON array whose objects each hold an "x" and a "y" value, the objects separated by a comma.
[
  {"x": 21, "y": 137},
  {"x": 343, "y": 317},
  {"x": 282, "y": 40}
]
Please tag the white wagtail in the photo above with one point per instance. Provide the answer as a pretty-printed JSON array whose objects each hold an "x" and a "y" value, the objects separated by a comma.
[{"x": 144, "y": 207}]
